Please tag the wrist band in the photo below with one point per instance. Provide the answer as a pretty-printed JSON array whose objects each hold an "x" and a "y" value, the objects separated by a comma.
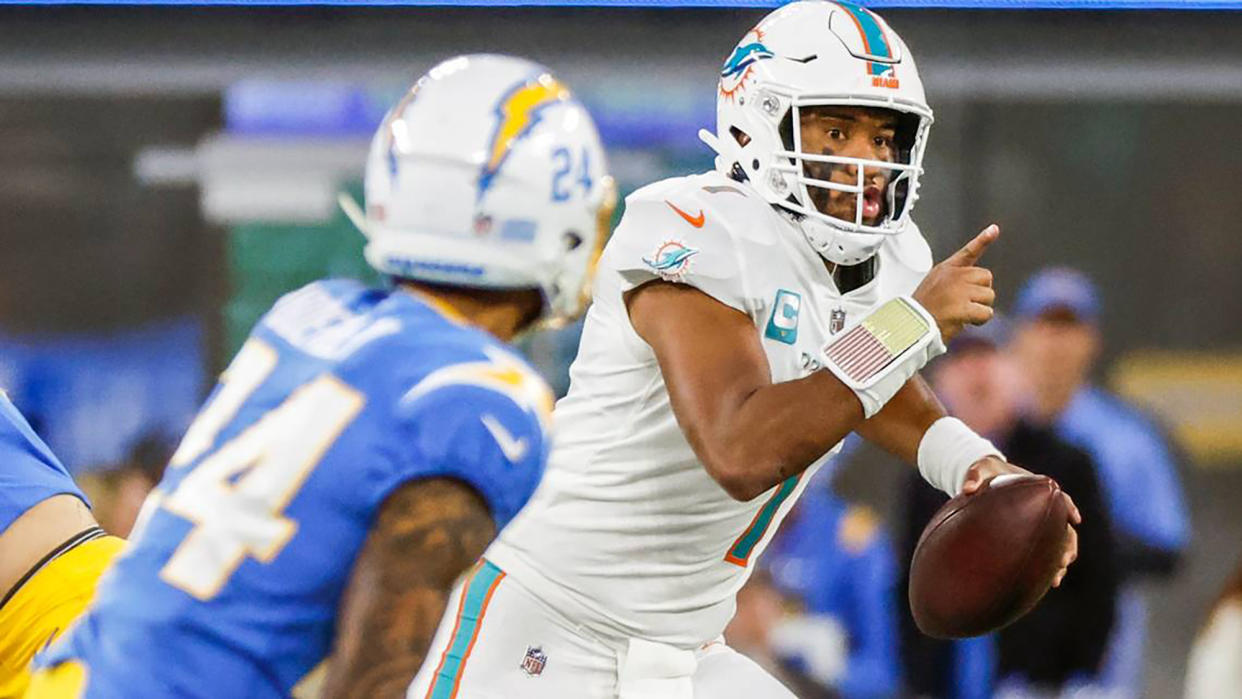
[{"x": 947, "y": 450}]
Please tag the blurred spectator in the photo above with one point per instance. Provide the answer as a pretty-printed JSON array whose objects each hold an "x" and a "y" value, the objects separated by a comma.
[
  {"x": 1215, "y": 667},
  {"x": 1056, "y": 344},
  {"x": 819, "y": 613},
  {"x": 835, "y": 564},
  {"x": 1063, "y": 640},
  {"x": 761, "y": 610},
  {"x": 117, "y": 492}
]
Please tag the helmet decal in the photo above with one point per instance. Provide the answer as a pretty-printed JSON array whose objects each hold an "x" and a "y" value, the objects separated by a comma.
[
  {"x": 517, "y": 114},
  {"x": 394, "y": 123},
  {"x": 877, "y": 50},
  {"x": 739, "y": 65}
]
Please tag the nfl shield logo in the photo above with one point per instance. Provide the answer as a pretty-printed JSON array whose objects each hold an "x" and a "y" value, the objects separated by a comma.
[
  {"x": 836, "y": 321},
  {"x": 534, "y": 661}
]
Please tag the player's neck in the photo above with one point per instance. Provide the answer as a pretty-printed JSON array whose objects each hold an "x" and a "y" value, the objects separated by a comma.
[{"x": 503, "y": 313}]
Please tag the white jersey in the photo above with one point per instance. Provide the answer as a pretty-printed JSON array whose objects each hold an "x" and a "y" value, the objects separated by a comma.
[{"x": 628, "y": 535}]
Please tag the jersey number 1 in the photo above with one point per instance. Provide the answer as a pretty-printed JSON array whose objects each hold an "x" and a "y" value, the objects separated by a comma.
[{"x": 237, "y": 494}]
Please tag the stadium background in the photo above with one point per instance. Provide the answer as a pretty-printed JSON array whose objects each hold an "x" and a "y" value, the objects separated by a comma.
[{"x": 166, "y": 173}]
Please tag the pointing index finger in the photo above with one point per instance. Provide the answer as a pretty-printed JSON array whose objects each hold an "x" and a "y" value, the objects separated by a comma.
[{"x": 972, "y": 251}]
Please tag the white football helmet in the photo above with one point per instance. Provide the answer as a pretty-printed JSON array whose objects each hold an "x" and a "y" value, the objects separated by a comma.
[
  {"x": 814, "y": 53},
  {"x": 489, "y": 174}
]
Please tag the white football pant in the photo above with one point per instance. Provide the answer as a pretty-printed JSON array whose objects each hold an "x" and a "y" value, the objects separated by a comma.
[{"x": 498, "y": 641}]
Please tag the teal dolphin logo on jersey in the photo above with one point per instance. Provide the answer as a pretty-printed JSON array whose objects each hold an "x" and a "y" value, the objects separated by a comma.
[
  {"x": 783, "y": 323},
  {"x": 671, "y": 260}
]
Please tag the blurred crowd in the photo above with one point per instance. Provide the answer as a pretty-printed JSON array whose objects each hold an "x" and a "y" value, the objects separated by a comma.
[{"x": 828, "y": 612}]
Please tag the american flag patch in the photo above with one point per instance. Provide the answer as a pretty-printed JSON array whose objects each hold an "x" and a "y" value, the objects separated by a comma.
[{"x": 863, "y": 352}]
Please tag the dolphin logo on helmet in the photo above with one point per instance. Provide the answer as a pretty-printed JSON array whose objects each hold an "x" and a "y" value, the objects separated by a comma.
[{"x": 743, "y": 56}]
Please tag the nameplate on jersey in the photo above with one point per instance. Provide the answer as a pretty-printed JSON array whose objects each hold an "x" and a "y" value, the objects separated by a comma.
[{"x": 783, "y": 322}]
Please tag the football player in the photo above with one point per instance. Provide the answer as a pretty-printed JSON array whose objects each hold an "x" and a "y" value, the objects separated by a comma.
[
  {"x": 52, "y": 551},
  {"x": 745, "y": 321},
  {"x": 365, "y": 445}
]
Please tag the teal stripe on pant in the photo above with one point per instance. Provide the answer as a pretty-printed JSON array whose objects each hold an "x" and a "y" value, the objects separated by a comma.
[
  {"x": 739, "y": 554},
  {"x": 473, "y": 606}
]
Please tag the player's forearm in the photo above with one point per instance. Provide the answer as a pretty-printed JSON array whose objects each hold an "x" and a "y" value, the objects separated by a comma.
[
  {"x": 900, "y": 425},
  {"x": 775, "y": 432},
  {"x": 426, "y": 534}
]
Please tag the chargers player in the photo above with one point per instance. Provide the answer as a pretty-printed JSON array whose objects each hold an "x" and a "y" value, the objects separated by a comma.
[
  {"x": 365, "y": 445},
  {"x": 52, "y": 551},
  {"x": 745, "y": 321}
]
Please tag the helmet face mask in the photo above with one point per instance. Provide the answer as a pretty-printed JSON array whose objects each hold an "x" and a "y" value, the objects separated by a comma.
[
  {"x": 812, "y": 55},
  {"x": 812, "y": 172}
]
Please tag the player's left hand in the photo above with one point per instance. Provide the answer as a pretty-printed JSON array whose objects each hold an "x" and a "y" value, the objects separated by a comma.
[{"x": 990, "y": 466}]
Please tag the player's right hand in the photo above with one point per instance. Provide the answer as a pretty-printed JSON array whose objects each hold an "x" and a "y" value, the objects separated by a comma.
[{"x": 957, "y": 291}]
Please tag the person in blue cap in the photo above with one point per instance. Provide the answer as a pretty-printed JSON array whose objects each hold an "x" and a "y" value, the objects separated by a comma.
[{"x": 1057, "y": 341}]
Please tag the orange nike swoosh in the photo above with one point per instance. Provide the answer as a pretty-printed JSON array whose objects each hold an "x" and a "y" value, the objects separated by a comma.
[{"x": 696, "y": 221}]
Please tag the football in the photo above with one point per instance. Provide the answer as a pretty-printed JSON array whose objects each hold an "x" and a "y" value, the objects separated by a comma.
[{"x": 986, "y": 559}]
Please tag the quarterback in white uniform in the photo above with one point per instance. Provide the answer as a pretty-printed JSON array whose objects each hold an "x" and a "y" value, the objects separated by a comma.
[{"x": 745, "y": 321}]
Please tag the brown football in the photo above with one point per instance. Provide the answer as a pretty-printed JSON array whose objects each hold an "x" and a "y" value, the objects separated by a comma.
[{"x": 986, "y": 559}]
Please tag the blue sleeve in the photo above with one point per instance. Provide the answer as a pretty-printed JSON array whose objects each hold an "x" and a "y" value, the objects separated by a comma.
[
  {"x": 872, "y": 667},
  {"x": 31, "y": 473},
  {"x": 1165, "y": 522},
  {"x": 1135, "y": 466},
  {"x": 974, "y": 667},
  {"x": 476, "y": 434}
]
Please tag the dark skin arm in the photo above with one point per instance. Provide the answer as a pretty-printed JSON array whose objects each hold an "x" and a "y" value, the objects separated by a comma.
[
  {"x": 899, "y": 426},
  {"x": 426, "y": 534},
  {"x": 748, "y": 432}
]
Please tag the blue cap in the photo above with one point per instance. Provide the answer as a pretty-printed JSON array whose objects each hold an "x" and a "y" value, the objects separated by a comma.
[{"x": 1058, "y": 288}]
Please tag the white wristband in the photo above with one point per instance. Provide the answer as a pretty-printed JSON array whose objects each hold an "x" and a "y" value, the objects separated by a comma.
[
  {"x": 876, "y": 356},
  {"x": 947, "y": 450}
]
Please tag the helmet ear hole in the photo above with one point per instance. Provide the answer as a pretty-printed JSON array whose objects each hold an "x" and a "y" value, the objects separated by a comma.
[
  {"x": 786, "y": 130},
  {"x": 739, "y": 135},
  {"x": 906, "y": 136},
  {"x": 572, "y": 240}
]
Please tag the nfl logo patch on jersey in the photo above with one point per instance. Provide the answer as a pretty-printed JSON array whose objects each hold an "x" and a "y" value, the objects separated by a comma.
[
  {"x": 836, "y": 321},
  {"x": 534, "y": 662}
]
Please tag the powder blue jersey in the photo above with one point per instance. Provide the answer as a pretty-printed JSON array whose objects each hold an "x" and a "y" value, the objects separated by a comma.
[
  {"x": 341, "y": 394},
  {"x": 29, "y": 472}
]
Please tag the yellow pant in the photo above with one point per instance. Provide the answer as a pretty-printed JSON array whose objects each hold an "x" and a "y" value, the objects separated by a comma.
[{"x": 47, "y": 603}]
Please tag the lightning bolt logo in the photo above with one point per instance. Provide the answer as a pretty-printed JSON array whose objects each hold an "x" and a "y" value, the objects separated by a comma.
[{"x": 517, "y": 113}]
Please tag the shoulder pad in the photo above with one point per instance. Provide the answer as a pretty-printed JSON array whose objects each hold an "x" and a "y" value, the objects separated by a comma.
[
  {"x": 483, "y": 422},
  {"x": 694, "y": 230}
]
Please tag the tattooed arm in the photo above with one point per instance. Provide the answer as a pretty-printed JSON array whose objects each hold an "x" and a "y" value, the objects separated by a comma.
[{"x": 426, "y": 534}]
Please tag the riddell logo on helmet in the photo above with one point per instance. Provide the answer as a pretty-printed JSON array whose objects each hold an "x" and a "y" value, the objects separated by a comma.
[{"x": 885, "y": 81}]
